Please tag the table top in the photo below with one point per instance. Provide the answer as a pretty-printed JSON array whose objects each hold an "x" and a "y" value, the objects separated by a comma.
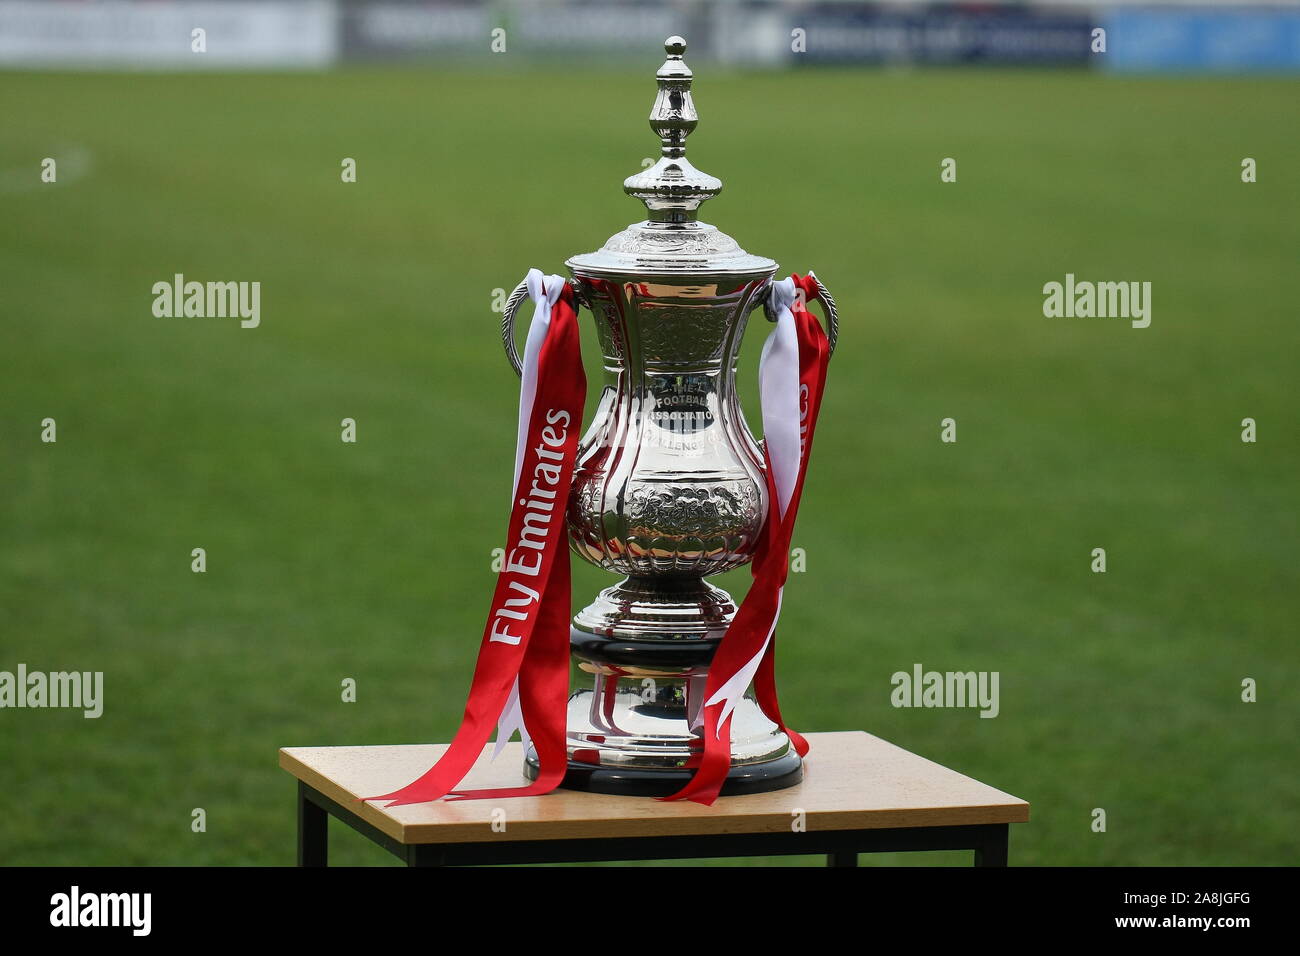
[{"x": 852, "y": 781}]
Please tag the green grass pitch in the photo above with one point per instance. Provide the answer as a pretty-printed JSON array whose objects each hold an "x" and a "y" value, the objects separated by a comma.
[{"x": 372, "y": 560}]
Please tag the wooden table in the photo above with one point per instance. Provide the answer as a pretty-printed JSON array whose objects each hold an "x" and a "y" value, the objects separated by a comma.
[{"x": 860, "y": 794}]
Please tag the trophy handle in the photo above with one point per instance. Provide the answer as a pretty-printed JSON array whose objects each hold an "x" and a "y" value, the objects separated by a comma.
[
  {"x": 508, "y": 326},
  {"x": 828, "y": 304},
  {"x": 832, "y": 316},
  {"x": 515, "y": 300}
]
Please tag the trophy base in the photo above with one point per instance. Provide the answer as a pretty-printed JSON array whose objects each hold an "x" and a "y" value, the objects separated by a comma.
[
  {"x": 629, "y": 782},
  {"x": 634, "y": 726},
  {"x": 640, "y": 736}
]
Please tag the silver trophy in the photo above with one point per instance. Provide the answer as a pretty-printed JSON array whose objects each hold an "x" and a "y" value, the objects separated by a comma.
[{"x": 669, "y": 485}]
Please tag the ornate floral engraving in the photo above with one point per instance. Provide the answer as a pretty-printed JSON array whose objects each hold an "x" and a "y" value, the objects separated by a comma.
[{"x": 659, "y": 511}]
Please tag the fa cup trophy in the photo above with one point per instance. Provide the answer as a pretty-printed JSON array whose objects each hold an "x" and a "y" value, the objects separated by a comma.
[
  {"x": 669, "y": 486},
  {"x": 666, "y": 487}
]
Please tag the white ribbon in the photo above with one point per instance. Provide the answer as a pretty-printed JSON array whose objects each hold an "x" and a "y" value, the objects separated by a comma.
[
  {"x": 545, "y": 291},
  {"x": 778, "y": 389}
]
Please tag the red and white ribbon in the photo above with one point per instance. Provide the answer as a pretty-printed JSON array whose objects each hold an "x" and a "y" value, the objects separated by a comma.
[
  {"x": 544, "y": 292},
  {"x": 521, "y": 680},
  {"x": 792, "y": 377}
]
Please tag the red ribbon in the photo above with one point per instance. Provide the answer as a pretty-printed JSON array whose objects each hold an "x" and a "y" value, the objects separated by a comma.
[{"x": 527, "y": 633}]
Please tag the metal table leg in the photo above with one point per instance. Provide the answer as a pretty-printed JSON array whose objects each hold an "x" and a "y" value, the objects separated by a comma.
[
  {"x": 313, "y": 831},
  {"x": 992, "y": 851}
]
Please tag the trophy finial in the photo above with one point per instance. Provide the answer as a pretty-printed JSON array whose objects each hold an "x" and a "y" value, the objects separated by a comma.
[{"x": 672, "y": 188}]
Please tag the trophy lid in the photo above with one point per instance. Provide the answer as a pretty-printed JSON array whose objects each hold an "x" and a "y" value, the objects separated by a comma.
[{"x": 672, "y": 241}]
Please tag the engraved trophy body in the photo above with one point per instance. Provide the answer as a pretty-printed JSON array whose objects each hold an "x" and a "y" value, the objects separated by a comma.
[{"x": 669, "y": 486}]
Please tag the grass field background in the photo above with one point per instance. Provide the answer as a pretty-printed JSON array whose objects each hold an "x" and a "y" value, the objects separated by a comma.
[{"x": 329, "y": 560}]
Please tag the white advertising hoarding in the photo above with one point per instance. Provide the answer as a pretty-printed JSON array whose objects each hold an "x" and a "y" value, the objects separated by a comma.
[{"x": 183, "y": 34}]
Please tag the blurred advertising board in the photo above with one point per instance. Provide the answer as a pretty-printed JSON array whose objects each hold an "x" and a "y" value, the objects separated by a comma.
[
  {"x": 1203, "y": 39},
  {"x": 120, "y": 34},
  {"x": 1117, "y": 35},
  {"x": 1009, "y": 34}
]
